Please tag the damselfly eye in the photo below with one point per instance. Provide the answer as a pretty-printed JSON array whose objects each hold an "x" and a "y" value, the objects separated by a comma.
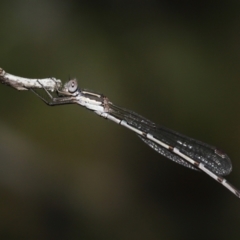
[{"x": 72, "y": 86}]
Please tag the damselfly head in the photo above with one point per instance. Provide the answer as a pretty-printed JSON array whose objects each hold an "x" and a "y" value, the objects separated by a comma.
[{"x": 71, "y": 86}]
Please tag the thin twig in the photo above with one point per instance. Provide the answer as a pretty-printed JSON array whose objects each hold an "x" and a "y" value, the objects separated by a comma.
[{"x": 21, "y": 83}]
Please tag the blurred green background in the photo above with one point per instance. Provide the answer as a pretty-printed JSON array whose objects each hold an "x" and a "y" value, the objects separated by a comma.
[{"x": 66, "y": 173}]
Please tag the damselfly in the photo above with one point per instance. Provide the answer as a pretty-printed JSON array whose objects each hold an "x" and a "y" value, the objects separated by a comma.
[{"x": 186, "y": 151}]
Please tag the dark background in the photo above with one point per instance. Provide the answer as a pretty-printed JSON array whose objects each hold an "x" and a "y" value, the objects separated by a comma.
[{"x": 66, "y": 173}]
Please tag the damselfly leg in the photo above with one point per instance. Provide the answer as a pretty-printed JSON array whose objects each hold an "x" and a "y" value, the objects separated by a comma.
[{"x": 63, "y": 97}]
